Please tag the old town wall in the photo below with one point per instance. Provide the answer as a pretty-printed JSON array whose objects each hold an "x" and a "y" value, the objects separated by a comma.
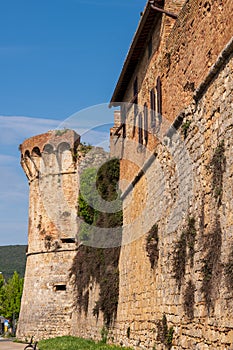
[
  {"x": 49, "y": 163},
  {"x": 54, "y": 163},
  {"x": 182, "y": 191},
  {"x": 180, "y": 186}
]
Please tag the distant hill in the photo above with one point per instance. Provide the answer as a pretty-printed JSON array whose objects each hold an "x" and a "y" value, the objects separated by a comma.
[{"x": 12, "y": 258}]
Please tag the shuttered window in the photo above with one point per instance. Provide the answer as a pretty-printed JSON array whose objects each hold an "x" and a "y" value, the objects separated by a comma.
[
  {"x": 156, "y": 105},
  {"x": 159, "y": 96},
  {"x": 152, "y": 108},
  {"x": 140, "y": 130},
  {"x": 145, "y": 124}
]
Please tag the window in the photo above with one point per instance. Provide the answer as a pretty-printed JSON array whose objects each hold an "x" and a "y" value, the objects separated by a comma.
[
  {"x": 123, "y": 119},
  {"x": 36, "y": 152},
  {"x": 145, "y": 124},
  {"x": 159, "y": 96},
  {"x": 135, "y": 102},
  {"x": 60, "y": 287},
  {"x": 140, "y": 130},
  {"x": 152, "y": 108},
  {"x": 156, "y": 105},
  {"x": 68, "y": 240}
]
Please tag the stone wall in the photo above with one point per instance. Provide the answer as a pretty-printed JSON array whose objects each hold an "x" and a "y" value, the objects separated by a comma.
[
  {"x": 183, "y": 52},
  {"x": 53, "y": 163},
  {"x": 201, "y": 32},
  {"x": 84, "y": 323},
  {"x": 46, "y": 310},
  {"x": 50, "y": 164},
  {"x": 178, "y": 186},
  {"x": 197, "y": 300}
]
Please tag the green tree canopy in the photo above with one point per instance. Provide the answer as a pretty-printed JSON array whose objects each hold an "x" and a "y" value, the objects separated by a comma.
[{"x": 10, "y": 296}]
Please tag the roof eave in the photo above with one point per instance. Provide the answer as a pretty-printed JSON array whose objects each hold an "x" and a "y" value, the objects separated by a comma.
[{"x": 130, "y": 61}]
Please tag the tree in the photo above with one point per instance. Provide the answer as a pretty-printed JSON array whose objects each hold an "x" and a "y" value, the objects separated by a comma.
[
  {"x": 10, "y": 296},
  {"x": 1, "y": 281}
]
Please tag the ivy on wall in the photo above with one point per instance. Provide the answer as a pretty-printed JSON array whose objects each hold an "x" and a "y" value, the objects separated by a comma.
[
  {"x": 99, "y": 186},
  {"x": 165, "y": 334},
  {"x": 212, "y": 268},
  {"x": 184, "y": 250},
  {"x": 217, "y": 167},
  {"x": 152, "y": 241},
  {"x": 212, "y": 243},
  {"x": 229, "y": 270},
  {"x": 98, "y": 265},
  {"x": 189, "y": 299}
]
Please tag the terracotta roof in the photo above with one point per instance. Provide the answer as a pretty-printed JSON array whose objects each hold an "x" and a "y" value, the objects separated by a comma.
[{"x": 148, "y": 19}]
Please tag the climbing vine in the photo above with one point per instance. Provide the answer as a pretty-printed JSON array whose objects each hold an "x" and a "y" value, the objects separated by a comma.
[
  {"x": 217, "y": 167},
  {"x": 98, "y": 265},
  {"x": 152, "y": 241},
  {"x": 165, "y": 334},
  {"x": 229, "y": 270},
  {"x": 211, "y": 269},
  {"x": 184, "y": 250},
  {"x": 189, "y": 300}
]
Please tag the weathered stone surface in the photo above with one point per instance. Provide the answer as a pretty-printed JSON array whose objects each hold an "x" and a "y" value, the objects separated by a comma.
[
  {"x": 47, "y": 301},
  {"x": 179, "y": 184}
]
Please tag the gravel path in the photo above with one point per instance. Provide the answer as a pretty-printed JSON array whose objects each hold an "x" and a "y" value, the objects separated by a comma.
[{"x": 6, "y": 344}]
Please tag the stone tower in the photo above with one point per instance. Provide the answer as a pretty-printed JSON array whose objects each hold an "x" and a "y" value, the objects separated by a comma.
[{"x": 50, "y": 163}]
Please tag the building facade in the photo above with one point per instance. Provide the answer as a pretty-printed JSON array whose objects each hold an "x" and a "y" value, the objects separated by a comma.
[{"x": 174, "y": 137}]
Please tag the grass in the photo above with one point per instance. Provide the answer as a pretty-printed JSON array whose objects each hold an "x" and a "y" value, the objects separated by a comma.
[{"x": 71, "y": 343}]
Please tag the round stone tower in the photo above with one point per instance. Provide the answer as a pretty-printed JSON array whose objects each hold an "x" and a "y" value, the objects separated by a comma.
[{"x": 50, "y": 163}]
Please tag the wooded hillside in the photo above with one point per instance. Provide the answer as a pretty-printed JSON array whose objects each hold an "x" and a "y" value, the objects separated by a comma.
[{"x": 12, "y": 258}]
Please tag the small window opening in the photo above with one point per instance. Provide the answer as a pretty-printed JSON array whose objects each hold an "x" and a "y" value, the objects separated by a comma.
[
  {"x": 27, "y": 154},
  {"x": 60, "y": 287},
  {"x": 68, "y": 240},
  {"x": 159, "y": 96},
  {"x": 156, "y": 105},
  {"x": 36, "y": 152}
]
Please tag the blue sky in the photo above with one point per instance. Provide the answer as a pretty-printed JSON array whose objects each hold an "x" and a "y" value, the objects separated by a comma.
[{"x": 57, "y": 57}]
